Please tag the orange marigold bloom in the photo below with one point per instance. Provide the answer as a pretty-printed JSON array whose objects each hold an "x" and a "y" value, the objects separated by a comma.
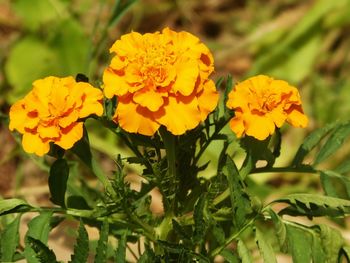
[
  {"x": 51, "y": 113},
  {"x": 160, "y": 79},
  {"x": 261, "y": 103}
]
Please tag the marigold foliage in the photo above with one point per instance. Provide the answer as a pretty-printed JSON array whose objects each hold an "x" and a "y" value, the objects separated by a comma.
[
  {"x": 261, "y": 104},
  {"x": 51, "y": 113},
  {"x": 160, "y": 79}
]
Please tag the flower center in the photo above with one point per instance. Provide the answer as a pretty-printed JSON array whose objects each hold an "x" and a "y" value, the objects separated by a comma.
[{"x": 153, "y": 63}]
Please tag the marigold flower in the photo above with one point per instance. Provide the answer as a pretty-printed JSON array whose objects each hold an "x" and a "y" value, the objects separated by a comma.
[
  {"x": 261, "y": 103},
  {"x": 51, "y": 113},
  {"x": 160, "y": 79}
]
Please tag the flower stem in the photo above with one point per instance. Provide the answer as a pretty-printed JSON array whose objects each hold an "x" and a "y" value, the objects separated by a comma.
[
  {"x": 217, "y": 250},
  {"x": 170, "y": 148}
]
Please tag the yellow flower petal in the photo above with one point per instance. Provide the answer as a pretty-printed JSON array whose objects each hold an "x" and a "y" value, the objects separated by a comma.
[
  {"x": 48, "y": 131},
  {"x": 259, "y": 127},
  {"x": 18, "y": 115},
  {"x": 180, "y": 114},
  {"x": 134, "y": 118},
  {"x": 207, "y": 99},
  {"x": 297, "y": 118},
  {"x": 33, "y": 144},
  {"x": 149, "y": 99},
  {"x": 70, "y": 135},
  {"x": 92, "y": 98},
  {"x": 187, "y": 74},
  {"x": 114, "y": 83},
  {"x": 237, "y": 125}
]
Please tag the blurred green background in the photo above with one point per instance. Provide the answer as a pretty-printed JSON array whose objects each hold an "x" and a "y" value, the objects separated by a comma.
[{"x": 304, "y": 42}]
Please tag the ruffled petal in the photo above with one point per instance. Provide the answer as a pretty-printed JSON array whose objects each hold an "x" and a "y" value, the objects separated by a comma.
[
  {"x": 92, "y": 100},
  {"x": 150, "y": 99},
  {"x": 70, "y": 135},
  {"x": 259, "y": 127},
  {"x": 33, "y": 144},
  {"x": 237, "y": 125},
  {"x": 18, "y": 115},
  {"x": 187, "y": 74},
  {"x": 48, "y": 131},
  {"x": 114, "y": 83},
  {"x": 296, "y": 117},
  {"x": 134, "y": 118},
  {"x": 180, "y": 114},
  {"x": 207, "y": 99}
]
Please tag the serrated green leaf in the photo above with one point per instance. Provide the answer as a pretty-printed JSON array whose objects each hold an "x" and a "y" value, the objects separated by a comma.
[
  {"x": 101, "y": 250},
  {"x": 38, "y": 228},
  {"x": 265, "y": 248},
  {"x": 299, "y": 244},
  {"x": 332, "y": 242},
  {"x": 311, "y": 141},
  {"x": 240, "y": 201},
  {"x": 120, "y": 255},
  {"x": 281, "y": 231},
  {"x": 13, "y": 205},
  {"x": 42, "y": 252},
  {"x": 200, "y": 224},
  {"x": 59, "y": 173},
  {"x": 81, "y": 248},
  {"x": 314, "y": 205},
  {"x": 333, "y": 143},
  {"x": 9, "y": 240},
  {"x": 244, "y": 252}
]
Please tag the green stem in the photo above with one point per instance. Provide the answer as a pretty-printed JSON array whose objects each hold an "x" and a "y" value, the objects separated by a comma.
[
  {"x": 170, "y": 148},
  {"x": 210, "y": 139},
  {"x": 229, "y": 240}
]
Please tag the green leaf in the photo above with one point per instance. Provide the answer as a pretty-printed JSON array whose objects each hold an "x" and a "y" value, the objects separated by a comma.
[
  {"x": 311, "y": 141},
  {"x": 299, "y": 244},
  {"x": 101, "y": 250},
  {"x": 121, "y": 250},
  {"x": 59, "y": 173},
  {"x": 346, "y": 250},
  {"x": 333, "y": 182},
  {"x": 332, "y": 242},
  {"x": 200, "y": 222},
  {"x": 9, "y": 240},
  {"x": 244, "y": 252},
  {"x": 83, "y": 151},
  {"x": 281, "y": 231},
  {"x": 265, "y": 248},
  {"x": 35, "y": 13},
  {"x": 240, "y": 200},
  {"x": 314, "y": 205},
  {"x": 38, "y": 228},
  {"x": 147, "y": 257},
  {"x": 81, "y": 248},
  {"x": 333, "y": 143},
  {"x": 13, "y": 205},
  {"x": 42, "y": 252},
  {"x": 229, "y": 256},
  {"x": 72, "y": 47},
  {"x": 19, "y": 68}
]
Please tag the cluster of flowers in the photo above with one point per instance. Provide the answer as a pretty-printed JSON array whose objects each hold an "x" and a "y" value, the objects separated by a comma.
[{"x": 159, "y": 79}]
